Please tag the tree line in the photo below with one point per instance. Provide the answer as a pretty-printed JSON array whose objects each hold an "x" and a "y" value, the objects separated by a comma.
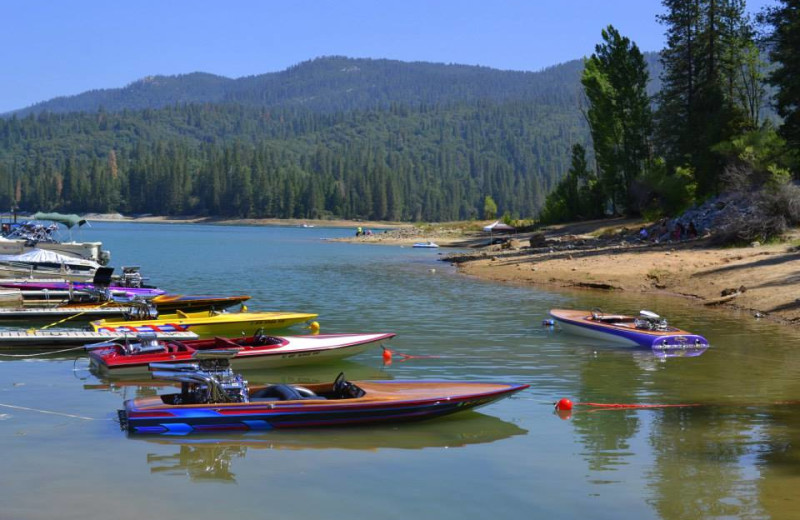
[
  {"x": 403, "y": 163},
  {"x": 704, "y": 132}
]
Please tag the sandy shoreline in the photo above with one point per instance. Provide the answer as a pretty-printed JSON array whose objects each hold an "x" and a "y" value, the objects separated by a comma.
[{"x": 763, "y": 280}]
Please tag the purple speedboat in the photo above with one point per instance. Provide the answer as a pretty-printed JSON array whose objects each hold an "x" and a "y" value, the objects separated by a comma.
[{"x": 646, "y": 330}]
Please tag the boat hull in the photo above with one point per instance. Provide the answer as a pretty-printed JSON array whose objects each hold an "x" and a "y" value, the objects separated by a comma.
[
  {"x": 623, "y": 332},
  {"x": 209, "y": 325},
  {"x": 291, "y": 351},
  {"x": 384, "y": 401}
]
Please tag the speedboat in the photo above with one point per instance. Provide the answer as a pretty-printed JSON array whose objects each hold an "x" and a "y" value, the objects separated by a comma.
[
  {"x": 259, "y": 351},
  {"x": 212, "y": 398},
  {"x": 128, "y": 285},
  {"x": 428, "y": 244},
  {"x": 646, "y": 330},
  {"x": 207, "y": 324}
]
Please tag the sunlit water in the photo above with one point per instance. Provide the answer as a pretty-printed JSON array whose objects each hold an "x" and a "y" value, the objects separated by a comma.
[{"x": 733, "y": 456}]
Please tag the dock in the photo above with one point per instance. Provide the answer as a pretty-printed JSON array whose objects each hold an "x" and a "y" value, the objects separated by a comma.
[
  {"x": 55, "y": 313},
  {"x": 59, "y": 338}
]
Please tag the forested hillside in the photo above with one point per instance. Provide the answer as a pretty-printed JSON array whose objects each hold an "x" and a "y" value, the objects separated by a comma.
[
  {"x": 333, "y": 84},
  {"x": 333, "y": 137}
]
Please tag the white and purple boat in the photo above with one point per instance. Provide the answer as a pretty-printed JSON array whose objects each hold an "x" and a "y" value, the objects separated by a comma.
[{"x": 647, "y": 330}]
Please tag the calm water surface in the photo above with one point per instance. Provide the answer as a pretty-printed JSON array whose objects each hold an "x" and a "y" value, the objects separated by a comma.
[{"x": 736, "y": 456}]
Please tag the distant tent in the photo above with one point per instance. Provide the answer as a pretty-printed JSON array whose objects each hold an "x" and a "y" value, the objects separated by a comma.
[{"x": 499, "y": 227}]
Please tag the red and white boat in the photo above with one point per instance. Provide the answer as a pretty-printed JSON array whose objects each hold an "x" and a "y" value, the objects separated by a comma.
[{"x": 259, "y": 351}]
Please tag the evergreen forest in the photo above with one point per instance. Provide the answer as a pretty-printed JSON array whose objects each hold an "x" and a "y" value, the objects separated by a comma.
[{"x": 333, "y": 137}]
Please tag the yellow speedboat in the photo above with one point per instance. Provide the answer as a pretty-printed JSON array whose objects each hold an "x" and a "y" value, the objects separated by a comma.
[{"x": 207, "y": 324}]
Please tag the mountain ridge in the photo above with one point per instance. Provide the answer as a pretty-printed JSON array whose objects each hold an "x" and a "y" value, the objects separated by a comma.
[{"x": 328, "y": 83}]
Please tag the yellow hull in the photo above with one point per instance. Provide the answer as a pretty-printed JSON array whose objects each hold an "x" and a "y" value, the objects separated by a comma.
[{"x": 209, "y": 324}]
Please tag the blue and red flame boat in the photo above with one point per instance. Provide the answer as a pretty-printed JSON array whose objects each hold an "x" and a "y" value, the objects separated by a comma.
[{"x": 212, "y": 398}]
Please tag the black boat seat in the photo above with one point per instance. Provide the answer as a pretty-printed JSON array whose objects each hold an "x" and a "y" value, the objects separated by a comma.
[{"x": 283, "y": 393}]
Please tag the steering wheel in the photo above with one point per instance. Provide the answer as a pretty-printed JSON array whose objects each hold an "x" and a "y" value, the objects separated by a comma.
[{"x": 340, "y": 385}]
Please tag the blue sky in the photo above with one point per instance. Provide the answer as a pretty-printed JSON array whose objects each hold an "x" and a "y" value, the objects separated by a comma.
[{"x": 50, "y": 49}]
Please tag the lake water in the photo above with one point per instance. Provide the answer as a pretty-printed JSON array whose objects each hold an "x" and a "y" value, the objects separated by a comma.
[{"x": 735, "y": 456}]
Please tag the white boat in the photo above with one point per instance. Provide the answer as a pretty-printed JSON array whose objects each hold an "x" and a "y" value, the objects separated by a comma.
[
  {"x": 39, "y": 263},
  {"x": 258, "y": 351},
  {"x": 428, "y": 244}
]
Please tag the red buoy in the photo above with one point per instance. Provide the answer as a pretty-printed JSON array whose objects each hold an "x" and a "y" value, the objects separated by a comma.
[
  {"x": 564, "y": 404},
  {"x": 387, "y": 356}
]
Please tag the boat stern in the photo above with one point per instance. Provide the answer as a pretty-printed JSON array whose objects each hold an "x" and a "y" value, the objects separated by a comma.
[{"x": 679, "y": 345}]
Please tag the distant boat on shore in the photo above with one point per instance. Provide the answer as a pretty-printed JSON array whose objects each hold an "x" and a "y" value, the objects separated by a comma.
[{"x": 428, "y": 244}]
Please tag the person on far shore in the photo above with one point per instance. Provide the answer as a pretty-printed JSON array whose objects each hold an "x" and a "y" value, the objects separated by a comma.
[
  {"x": 677, "y": 233},
  {"x": 359, "y": 231},
  {"x": 692, "y": 231}
]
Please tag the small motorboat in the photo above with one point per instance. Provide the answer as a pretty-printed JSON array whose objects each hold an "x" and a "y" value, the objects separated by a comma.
[
  {"x": 212, "y": 398},
  {"x": 428, "y": 244},
  {"x": 120, "y": 358},
  {"x": 185, "y": 302},
  {"x": 207, "y": 324},
  {"x": 127, "y": 286},
  {"x": 646, "y": 330}
]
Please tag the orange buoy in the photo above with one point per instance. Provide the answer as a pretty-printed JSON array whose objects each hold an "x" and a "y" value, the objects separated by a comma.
[
  {"x": 564, "y": 404},
  {"x": 387, "y": 356}
]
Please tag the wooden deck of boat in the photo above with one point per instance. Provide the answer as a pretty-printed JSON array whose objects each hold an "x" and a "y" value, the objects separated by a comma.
[{"x": 37, "y": 338}]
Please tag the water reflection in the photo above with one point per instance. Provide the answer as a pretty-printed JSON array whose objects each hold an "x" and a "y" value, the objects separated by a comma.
[{"x": 207, "y": 458}]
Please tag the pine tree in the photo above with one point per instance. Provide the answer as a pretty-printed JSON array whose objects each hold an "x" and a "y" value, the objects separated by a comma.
[
  {"x": 707, "y": 42},
  {"x": 615, "y": 81},
  {"x": 785, "y": 52}
]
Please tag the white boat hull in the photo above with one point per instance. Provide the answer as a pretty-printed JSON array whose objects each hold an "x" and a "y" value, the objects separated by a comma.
[{"x": 595, "y": 334}]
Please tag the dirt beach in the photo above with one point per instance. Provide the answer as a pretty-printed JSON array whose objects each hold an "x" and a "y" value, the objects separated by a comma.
[{"x": 763, "y": 279}]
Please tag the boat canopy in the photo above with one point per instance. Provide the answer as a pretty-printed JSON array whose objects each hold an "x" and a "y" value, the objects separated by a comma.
[
  {"x": 68, "y": 220},
  {"x": 43, "y": 256}
]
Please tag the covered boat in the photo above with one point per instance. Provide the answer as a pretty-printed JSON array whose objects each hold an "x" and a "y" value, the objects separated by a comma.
[
  {"x": 646, "y": 330},
  {"x": 208, "y": 324},
  {"x": 212, "y": 398},
  {"x": 259, "y": 351},
  {"x": 41, "y": 263}
]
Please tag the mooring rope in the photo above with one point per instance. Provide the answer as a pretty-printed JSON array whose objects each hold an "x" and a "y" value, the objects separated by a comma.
[
  {"x": 49, "y": 412},
  {"x": 48, "y": 352}
]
